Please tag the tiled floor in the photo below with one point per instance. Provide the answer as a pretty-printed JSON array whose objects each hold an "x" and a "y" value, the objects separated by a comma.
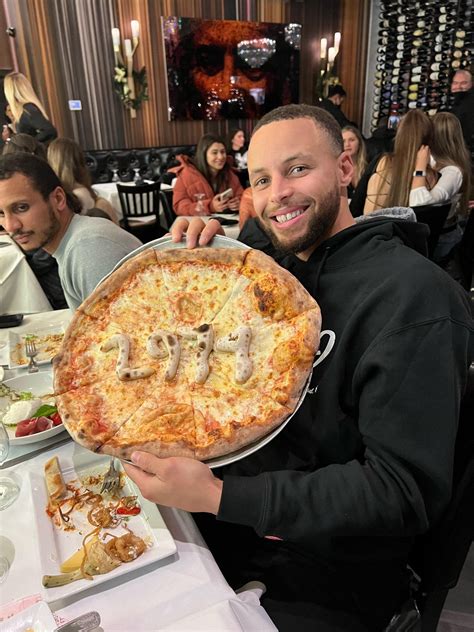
[{"x": 458, "y": 613}]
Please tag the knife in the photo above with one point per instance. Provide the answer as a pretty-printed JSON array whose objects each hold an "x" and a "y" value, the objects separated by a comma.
[{"x": 84, "y": 623}]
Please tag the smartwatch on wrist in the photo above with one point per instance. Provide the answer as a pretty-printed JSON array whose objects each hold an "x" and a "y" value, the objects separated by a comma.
[{"x": 419, "y": 174}]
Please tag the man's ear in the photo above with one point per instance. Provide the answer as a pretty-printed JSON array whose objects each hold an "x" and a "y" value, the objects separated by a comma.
[
  {"x": 345, "y": 169},
  {"x": 58, "y": 198}
]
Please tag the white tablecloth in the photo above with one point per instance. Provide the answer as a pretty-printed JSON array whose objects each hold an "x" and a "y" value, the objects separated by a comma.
[
  {"x": 20, "y": 291},
  {"x": 185, "y": 592}
]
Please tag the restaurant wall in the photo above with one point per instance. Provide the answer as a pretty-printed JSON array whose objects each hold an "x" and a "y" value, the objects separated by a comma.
[{"x": 65, "y": 48}]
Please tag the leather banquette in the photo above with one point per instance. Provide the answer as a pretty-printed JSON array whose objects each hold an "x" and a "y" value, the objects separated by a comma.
[{"x": 152, "y": 162}]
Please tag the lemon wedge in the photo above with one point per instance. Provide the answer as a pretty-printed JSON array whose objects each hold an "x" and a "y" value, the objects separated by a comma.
[{"x": 74, "y": 562}]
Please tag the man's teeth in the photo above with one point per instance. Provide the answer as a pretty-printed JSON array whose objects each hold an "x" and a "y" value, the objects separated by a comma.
[{"x": 285, "y": 218}]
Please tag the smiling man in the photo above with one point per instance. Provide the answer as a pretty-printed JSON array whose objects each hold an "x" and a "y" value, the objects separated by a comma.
[
  {"x": 38, "y": 213},
  {"x": 325, "y": 513}
]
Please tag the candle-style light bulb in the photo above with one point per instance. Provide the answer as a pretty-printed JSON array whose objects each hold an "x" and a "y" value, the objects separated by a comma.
[
  {"x": 127, "y": 47},
  {"x": 324, "y": 47},
  {"x": 331, "y": 54},
  {"x": 135, "y": 29},
  {"x": 337, "y": 41},
  {"x": 116, "y": 38}
]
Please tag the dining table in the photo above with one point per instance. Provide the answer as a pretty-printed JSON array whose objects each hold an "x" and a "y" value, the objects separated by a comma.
[
  {"x": 20, "y": 290},
  {"x": 184, "y": 591}
]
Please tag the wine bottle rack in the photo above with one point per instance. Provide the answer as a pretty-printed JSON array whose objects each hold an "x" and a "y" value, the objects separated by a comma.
[{"x": 420, "y": 46}]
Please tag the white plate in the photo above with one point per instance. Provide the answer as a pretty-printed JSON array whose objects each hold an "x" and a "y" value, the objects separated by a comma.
[
  {"x": 38, "y": 384},
  {"x": 58, "y": 545},
  {"x": 37, "y": 618},
  {"x": 46, "y": 352}
]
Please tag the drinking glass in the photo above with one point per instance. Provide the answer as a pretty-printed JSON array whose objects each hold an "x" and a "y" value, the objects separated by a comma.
[
  {"x": 9, "y": 490},
  {"x": 199, "y": 208}
]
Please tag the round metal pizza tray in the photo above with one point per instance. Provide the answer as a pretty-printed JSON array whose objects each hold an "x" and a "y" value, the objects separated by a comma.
[
  {"x": 219, "y": 241},
  {"x": 227, "y": 459},
  {"x": 166, "y": 243}
]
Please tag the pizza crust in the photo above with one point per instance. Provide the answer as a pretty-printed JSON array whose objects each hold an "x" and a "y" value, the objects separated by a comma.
[{"x": 178, "y": 413}]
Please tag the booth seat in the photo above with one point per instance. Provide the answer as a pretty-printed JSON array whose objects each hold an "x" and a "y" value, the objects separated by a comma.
[{"x": 152, "y": 162}]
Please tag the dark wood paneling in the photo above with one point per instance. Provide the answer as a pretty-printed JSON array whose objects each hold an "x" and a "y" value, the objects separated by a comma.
[{"x": 65, "y": 49}]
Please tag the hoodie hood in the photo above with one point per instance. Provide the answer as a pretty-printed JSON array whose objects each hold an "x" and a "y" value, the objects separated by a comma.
[{"x": 362, "y": 241}]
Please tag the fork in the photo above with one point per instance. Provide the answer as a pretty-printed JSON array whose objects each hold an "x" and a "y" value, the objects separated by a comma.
[
  {"x": 31, "y": 352},
  {"x": 111, "y": 481}
]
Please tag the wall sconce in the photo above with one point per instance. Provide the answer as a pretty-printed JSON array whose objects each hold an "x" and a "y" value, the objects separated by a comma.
[
  {"x": 327, "y": 57},
  {"x": 129, "y": 84}
]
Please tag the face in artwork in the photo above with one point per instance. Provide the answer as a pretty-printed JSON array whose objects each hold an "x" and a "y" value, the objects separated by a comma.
[{"x": 296, "y": 176}]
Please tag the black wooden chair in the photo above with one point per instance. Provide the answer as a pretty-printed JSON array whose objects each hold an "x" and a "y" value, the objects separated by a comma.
[
  {"x": 141, "y": 210},
  {"x": 438, "y": 556},
  {"x": 166, "y": 197},
  {"x": 434, "y": 217}
]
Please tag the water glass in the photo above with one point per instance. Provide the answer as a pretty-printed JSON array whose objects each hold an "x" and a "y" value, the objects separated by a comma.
[{"x": 9, "y": 490}]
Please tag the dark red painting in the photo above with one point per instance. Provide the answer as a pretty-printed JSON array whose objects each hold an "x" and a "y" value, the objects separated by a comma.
[{"x": 228, "y": 69}]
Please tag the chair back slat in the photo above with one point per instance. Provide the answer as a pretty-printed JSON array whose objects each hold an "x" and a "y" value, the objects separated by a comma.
[{"x": 139, "y": 200}]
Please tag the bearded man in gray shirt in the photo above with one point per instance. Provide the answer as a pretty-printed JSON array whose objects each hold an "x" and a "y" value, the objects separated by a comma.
[{"x": 38, "y": 213}]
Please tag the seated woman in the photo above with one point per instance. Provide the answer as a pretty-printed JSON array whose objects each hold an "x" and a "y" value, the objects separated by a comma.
[
  {"x": 24, "y": 143},
  {"x": 354, "y": 144},
  {"x": 391, "y": 183},
  {"x": 237, "y": 151},
  {"x": 203, "y": 178},
  {"x": 452, "y": 162},
  {"x": 67, "y": 159}
]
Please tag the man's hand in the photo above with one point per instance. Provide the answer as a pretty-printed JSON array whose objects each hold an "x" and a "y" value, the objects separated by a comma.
[
  {"x": 197, "y": 231},
  {"x": 176, "y": 482}
]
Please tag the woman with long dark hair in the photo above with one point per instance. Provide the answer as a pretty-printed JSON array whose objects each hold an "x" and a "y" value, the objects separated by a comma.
[{"x": 203, "y": 179}]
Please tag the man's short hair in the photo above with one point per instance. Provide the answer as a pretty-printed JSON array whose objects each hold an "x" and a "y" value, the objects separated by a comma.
[
  {"x": 337, "y": 89},
  {"x": 321, "y": 118},
  {"x": 39, "y": 173}
]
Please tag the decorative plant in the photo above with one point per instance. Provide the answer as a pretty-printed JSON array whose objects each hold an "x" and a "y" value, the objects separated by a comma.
[{"x": 131, "y": 99}]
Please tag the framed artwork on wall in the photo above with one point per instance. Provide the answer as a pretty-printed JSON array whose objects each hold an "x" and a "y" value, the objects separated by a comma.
[{"x": 229, "y": 69}]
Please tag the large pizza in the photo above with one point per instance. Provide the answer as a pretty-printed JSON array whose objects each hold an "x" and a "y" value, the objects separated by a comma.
[{"x": 186, "y": 353}]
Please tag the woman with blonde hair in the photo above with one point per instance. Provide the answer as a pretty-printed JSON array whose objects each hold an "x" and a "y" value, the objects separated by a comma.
[
  {"x": 67, "y": 159},
  {"x": 354, "y": 144},
  {"x": 392, "y": 181},
  {"x": 29, "y": 115},
  {"x": 451, "y": 160}
]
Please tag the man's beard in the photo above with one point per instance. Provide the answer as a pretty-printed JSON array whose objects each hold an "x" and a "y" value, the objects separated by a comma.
[
  {"x": 45, "y": 235},
  {"x": 319, "y": 226}
]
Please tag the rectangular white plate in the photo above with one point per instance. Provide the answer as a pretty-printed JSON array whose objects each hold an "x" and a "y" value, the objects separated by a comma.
[
  {"x": 57, "y": 545},
  {"x": 37, "y": 617},
  {"x": 46, "y": 348}
]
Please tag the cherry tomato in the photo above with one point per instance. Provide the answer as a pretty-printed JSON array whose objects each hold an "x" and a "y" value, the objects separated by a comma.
[
  {"x": 56, "y": 419},
  {"x": 128, "y": 511}
]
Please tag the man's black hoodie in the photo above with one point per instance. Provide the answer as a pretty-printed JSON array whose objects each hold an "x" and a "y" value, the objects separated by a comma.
[{"x": 366, "y": 462}]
